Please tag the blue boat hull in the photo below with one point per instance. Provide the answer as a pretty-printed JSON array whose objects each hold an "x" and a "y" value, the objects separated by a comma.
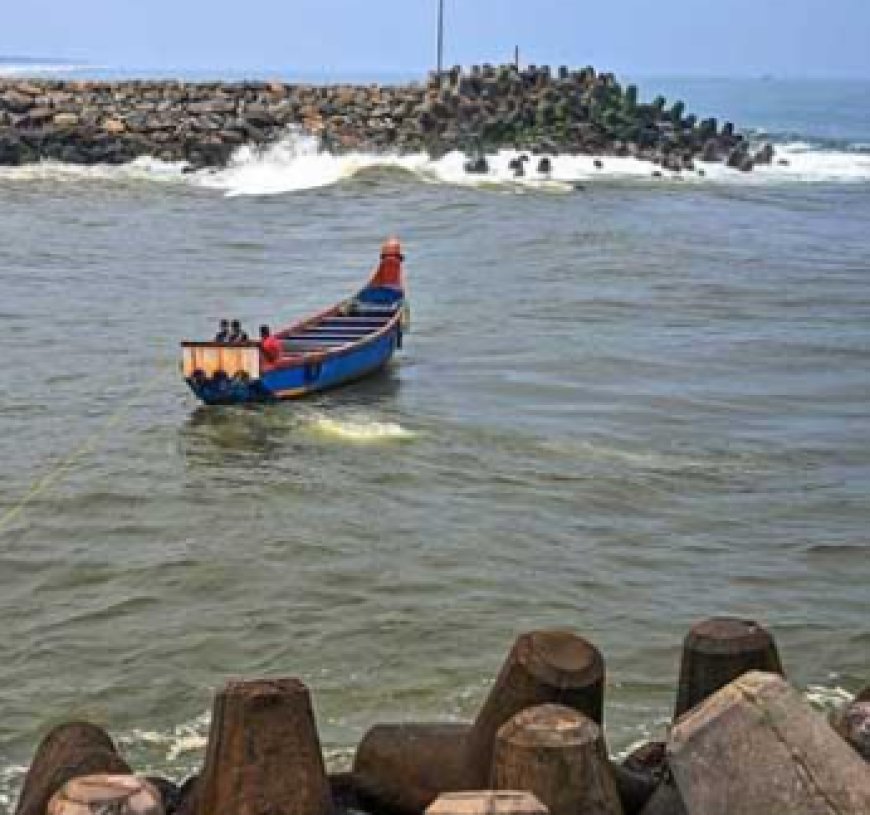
[{"x": 331, "y": 371}]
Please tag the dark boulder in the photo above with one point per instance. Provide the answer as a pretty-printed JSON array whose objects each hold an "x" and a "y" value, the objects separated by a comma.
[
  {"x": 11, "y": 149},
  {"x": 516, "y": 165},
  {"x": 170, "y": 794},
  {"x": 710, "y": 151},
  {"x": 735, "y": 158},
  {"x": 672, "y": 162},
  {"x": 765, "y": 155},
  {"x": 477, "y": 166},
  {"x": 15, "y": 101}
]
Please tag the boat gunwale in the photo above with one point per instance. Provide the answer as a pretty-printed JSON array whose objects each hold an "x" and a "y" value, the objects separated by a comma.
[{"x": 304, "y": 357}]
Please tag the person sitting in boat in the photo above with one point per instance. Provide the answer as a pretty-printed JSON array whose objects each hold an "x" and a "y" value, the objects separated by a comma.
[
  {"x": 389, "y": 271},
  {"x": 236, "y": 333},
  {"x": 223, "y": 334},
  {"x": 270, "y": 345}
]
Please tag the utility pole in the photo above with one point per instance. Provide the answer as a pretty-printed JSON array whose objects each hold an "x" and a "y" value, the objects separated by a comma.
[{"x": 440, "y": 36}]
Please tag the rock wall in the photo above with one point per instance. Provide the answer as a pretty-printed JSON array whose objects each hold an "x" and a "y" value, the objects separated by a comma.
[{"x": 481, "y": 109}]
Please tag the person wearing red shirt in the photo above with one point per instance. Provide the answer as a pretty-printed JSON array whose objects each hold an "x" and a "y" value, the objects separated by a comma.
[{"x": 270, "y": 345}]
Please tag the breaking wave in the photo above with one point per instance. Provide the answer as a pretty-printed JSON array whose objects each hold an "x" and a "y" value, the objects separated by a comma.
[
  {"x": 22, "y": 68},
  {"x": 296, "y": 163}
]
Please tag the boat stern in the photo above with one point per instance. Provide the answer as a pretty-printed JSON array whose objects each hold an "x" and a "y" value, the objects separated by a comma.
[{"x": 222, "y": 374}]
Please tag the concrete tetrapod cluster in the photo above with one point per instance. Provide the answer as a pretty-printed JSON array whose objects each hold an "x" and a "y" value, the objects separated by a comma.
[{"x": 743, "y": 742}]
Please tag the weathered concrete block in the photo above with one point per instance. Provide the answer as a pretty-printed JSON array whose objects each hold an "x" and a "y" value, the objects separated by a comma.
[
  {"x": 718, "y": 650},
  {"x": 69, "y": 751},
  {"x": 543, "y": 667},
  {"x": 263, "y": 755},
  {"x": 853, "y": 724},
  {"x": 757, "y": 747},
  {"x": 559, "y": 755},
  {"x": 487, "y": 802},
  {"x": 115, "y": 794},
  {"x": 403, "y": 768}
]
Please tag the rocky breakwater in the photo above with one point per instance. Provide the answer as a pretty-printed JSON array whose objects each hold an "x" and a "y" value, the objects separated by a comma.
[
  {"x": 476, "y": 111},
  {"x": 742, "y": 742}
]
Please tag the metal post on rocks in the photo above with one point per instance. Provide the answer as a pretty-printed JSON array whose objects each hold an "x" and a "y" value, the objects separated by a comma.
[{"x": 440, "y": 36}]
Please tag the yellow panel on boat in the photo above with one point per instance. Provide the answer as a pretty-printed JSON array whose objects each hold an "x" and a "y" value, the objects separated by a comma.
[{"x": 210, "y": 357}]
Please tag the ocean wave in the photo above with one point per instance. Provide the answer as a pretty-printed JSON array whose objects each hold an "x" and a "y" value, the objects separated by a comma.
[
  {"x": 296, "y": 163},
  {"x": 144, "y": 168},
  {"x": 36, "y": 68}
]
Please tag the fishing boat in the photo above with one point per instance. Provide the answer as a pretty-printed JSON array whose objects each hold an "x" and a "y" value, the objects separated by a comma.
[{"x": 346, "y": 342}]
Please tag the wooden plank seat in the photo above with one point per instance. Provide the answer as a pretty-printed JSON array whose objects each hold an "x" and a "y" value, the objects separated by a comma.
[
  {"x": 375, "y": 311},
  {"x": 350, "y": 321},
  {"x": 362, "y": 330},
  {"x": 326, "y": 335}
]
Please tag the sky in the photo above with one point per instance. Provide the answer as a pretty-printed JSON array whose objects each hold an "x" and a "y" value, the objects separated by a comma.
[{"x": 781, "y": 38}]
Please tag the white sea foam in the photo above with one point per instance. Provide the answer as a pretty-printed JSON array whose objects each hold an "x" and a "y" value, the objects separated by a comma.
[
  {"x": 360, "y": 430},
  {"x": 178, "y": 741},
  {"x": 828, "y": 697},
  {"x": 295, "y": 163},
  {"x": 40, "y": 68},
  {"x": 141, "y": 169}
]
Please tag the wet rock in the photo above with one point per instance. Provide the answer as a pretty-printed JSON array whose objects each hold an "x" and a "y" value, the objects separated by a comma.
[
  {"x": 477, "y": 166},
  {"x": 672, "y": 162},
  {"x": 736, "y": 158},
  {"x": 517, "y": 166},
  {"x": 765, "y": 155}
]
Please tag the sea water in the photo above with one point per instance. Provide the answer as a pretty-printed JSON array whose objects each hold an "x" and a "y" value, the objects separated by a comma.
[{"x": 626, "y": 403}]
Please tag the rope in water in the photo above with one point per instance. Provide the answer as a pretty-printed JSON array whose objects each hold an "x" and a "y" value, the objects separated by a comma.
[{"x": 68, "y": 462}]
